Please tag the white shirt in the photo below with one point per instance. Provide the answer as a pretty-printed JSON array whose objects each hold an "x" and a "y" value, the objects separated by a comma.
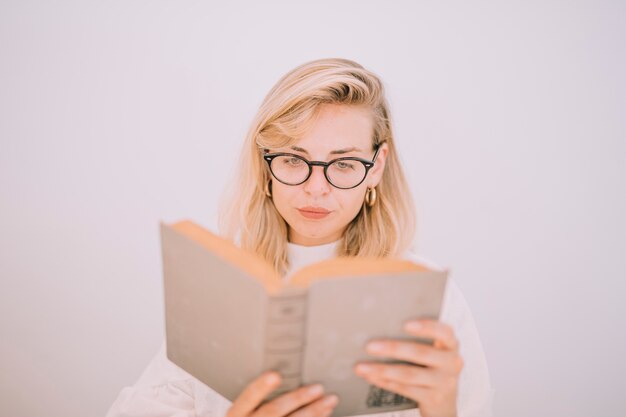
[{"x": 164, "y": 389}]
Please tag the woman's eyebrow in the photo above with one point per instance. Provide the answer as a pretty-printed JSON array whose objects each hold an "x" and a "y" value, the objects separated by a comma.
[{"x": 336, "y": 152}]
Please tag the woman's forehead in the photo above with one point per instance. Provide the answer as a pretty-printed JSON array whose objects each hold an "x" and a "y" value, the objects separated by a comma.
[
  {"x": 337, "y": 130},
  {"x": 332, "y": 149}
]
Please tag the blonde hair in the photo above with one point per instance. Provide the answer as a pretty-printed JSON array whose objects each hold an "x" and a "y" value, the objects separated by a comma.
[{"x": 248, "y": 216}]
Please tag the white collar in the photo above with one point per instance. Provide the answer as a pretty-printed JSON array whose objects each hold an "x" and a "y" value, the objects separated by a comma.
[{"x": 300, "y": 256}]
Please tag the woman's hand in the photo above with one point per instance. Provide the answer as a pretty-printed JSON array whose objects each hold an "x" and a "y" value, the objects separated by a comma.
[
  {"x": 307, "y": 401},
  {"x": 433, "y": 384}
]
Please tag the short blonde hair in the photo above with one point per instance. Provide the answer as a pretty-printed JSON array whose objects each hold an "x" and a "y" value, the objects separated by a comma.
[{"x": 248, "y": 216}]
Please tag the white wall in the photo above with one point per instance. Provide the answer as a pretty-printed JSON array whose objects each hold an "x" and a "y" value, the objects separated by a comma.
[{"x": 116, "y": 114}]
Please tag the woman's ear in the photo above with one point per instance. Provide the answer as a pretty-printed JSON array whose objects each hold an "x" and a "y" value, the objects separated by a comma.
[{"x": 376, "y": 172}]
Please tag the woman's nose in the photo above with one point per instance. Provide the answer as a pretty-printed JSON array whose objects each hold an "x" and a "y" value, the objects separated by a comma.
[{"x": 317, "y": 182}]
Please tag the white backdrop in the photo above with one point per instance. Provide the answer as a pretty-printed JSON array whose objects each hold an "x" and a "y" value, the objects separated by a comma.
[{"x": 117, "y": 114}]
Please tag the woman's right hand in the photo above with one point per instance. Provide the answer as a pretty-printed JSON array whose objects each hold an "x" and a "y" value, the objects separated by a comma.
[{"x": 307, "y": 401}]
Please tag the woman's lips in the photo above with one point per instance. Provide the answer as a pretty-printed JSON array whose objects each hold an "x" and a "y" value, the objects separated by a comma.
[{"x": 314, "y": 212}]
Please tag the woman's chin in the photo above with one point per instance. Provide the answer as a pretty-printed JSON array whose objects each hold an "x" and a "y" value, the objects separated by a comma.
[{"x": 309, "y": 235}]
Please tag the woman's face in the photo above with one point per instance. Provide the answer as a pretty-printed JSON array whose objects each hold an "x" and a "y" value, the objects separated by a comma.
[{"x": 339, "y": 131}]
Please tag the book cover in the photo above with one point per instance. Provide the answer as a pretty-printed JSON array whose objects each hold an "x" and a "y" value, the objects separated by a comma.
[{"x": 229, "y": 316}]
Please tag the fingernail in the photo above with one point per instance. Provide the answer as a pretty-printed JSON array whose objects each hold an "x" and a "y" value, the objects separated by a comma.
[
  {"x": 375, "y": 347},
  {"x": 272, "y": 378},
  {"x": 316, "y": 389},
  {"x": 363, "y": 368},
  {"x": 331, "y": 400},
  {"x": 413, "y": 326}
]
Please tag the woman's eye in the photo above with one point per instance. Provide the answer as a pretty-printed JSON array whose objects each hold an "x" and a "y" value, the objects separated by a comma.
[
  {"x": 293, "y": 161},
  {"x": 345, "y": 165}
]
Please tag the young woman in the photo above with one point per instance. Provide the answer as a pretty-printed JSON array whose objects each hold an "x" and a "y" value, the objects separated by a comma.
[{"x": 320, "y": 177}]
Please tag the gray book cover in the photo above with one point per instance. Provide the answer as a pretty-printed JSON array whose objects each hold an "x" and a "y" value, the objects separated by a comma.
[{"x": 229, "y": 317}]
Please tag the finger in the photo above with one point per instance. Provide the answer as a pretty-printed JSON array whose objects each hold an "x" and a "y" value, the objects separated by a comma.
[
  {"x": 414, "y": 352},
  {"x": 442, "y": 333},
  {"x": 254, "y": 394},
  {"x": 404, "y": 374},
  {"x": 319, "y": 408},
  {"x": 289, "y": 402}
]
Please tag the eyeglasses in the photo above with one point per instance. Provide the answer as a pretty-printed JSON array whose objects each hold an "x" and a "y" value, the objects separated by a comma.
[{"x": 344, "y": 173}]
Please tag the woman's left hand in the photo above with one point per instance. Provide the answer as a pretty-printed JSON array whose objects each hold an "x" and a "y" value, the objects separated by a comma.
[{"x": 433, "y": 384}]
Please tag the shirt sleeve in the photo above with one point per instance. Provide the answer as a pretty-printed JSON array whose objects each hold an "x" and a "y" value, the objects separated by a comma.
[
  {"x": 163, "y": 389},
  {"x": 475, "y": 393}
]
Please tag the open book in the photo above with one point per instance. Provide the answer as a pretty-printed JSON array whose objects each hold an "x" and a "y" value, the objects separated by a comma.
[{"x": 230, "y": 316}]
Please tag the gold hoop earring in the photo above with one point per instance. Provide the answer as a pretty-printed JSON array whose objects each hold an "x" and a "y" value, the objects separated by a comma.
[
  {"x": 268, "y": 191},
  {"x": 370, "y": 197}
]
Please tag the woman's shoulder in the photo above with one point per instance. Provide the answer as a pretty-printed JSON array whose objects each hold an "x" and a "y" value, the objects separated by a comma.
[
  {"x": 411, "y": 255},
  {"x": 454, "y": 307}
]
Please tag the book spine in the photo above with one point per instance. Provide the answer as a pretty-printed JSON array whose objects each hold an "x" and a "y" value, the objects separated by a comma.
[{"x": 284, "y": 345}]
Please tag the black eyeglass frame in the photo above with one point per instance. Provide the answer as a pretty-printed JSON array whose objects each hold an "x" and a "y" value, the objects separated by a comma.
[{"x": 269, "y": 157}]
